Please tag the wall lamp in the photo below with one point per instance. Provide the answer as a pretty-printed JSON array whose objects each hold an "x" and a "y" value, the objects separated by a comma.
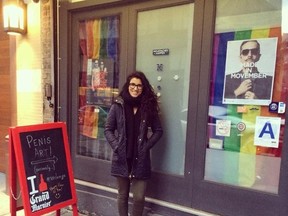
[{"x": 15, "y": 17}]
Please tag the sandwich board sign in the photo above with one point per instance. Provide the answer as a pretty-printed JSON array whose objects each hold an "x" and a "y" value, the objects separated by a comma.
[{"x": 40, "y": 155}]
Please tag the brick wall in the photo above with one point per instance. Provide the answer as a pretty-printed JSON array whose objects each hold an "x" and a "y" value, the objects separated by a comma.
[{"x": 47, "y": 56}]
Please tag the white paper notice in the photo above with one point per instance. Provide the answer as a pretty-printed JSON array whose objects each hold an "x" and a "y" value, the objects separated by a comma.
[
  {"x": 267, "y": 131},
  {"x": 223, "y": 127},
  {"x": 215, "y": 143}
]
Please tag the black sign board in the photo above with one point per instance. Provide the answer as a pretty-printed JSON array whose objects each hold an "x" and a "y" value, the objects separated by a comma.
[{"x": 44, "y": 166}]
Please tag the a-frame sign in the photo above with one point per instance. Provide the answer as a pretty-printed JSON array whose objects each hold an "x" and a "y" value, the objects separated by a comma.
[{"x": 40, "y": 155}]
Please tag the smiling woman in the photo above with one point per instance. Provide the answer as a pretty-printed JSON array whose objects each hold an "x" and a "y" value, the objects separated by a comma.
[
  {"x": 126, "y": 130},
  {"x": 135, "y": 87}
]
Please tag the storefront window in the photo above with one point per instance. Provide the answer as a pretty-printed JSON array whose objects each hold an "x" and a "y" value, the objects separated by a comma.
[
  {"x": 248, "y": 93},
  {"x": 98, "y": 83}
]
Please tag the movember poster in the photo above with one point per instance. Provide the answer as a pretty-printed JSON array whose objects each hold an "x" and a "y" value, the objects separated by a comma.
[
  {"x": 249, "y": 71},
  {"x": 43, "y": 160}
]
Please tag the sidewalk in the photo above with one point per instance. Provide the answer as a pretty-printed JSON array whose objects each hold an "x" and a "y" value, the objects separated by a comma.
[{"x": 5, "y": 208}]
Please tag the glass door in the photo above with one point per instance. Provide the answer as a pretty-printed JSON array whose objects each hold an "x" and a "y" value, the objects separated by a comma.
[
  {"x": 103, "y": 53},
  {"x": 163, "y": 54},
  {"x": 162, "y": 50},
  {"x": 98, "y": 84},
  {"x": 97, "y": 50}
]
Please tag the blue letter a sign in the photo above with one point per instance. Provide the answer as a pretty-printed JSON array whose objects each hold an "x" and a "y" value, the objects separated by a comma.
[{"x": 267, "y": 131}]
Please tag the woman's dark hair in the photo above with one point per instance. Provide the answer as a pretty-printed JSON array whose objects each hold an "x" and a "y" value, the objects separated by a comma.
[{"x": 149, "y": 101}]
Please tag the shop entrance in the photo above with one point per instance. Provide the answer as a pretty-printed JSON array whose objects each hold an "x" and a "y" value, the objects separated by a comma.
[
  {"x": 107, "y": 45},
  {"x": 206, "y": 159}
]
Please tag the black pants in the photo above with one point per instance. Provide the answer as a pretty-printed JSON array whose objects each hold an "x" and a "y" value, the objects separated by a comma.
[{"x": 138, "y": 189}]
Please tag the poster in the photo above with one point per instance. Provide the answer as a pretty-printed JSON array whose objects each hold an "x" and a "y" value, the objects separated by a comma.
[
  {"x": 100, "y": 77},
  {"x": 249, "y": 71}
]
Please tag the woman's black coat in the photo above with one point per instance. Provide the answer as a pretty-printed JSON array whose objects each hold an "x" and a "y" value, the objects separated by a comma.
[{"x": 115, "y": 133}]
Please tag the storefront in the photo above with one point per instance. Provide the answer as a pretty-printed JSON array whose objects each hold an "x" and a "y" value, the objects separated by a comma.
[{"x": 216, "y": 66}]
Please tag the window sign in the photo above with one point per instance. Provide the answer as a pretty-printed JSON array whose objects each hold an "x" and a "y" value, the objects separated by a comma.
[
  {"x": 267, "y": 131},
  {"x": 248, "y": 73}
]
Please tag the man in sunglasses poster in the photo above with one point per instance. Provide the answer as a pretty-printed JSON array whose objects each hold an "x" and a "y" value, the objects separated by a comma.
[{"x": 252, "y": 83}]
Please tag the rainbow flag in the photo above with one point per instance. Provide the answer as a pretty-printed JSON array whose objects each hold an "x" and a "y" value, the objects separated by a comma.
[
  {"x": 243, "y": 142},
  {"x": 98, "y": 39}
]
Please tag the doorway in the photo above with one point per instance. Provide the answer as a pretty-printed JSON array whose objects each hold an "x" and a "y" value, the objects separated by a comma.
[{"x": 107, "y": 45}]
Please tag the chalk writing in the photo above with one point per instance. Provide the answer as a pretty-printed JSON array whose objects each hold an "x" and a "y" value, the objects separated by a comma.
[
  {"x": 36, "y": 142},
  {"x": 44, "y": 164},
  {"x": 56, "y": 177},
  {"x": 56, "y": 190},
  {"x": 46, "y": 171}
]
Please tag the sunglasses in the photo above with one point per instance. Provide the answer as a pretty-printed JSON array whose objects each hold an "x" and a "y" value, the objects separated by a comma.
[
  {"x": 133, "y": 85},
  {"x": 254, "y": 51}
]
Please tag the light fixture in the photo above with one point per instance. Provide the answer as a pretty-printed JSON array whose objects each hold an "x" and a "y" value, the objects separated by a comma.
[{"x": 15, "y": 17}]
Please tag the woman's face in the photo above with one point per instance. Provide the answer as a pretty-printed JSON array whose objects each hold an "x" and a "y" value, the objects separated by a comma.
[{"x": 135, "y": 87}]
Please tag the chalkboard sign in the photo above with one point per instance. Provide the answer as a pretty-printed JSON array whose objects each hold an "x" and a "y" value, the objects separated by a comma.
[{"x": 44, "y": 166}]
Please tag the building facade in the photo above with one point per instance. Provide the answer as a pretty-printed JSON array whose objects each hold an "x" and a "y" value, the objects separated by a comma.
[
  {"x": 219, "y": 69},
  {"x": 217, "y": 149}
]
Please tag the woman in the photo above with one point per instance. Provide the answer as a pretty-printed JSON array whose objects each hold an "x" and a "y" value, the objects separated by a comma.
[{"x": 126, "y": 130}]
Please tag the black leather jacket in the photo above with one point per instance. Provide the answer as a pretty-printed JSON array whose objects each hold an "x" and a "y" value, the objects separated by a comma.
[{"x": 115, "y": 134}]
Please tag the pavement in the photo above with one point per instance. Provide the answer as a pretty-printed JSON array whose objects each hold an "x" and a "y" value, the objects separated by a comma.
[
  {"x": 5, "y": 208},
  {"x": 67, "y": 211}
]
